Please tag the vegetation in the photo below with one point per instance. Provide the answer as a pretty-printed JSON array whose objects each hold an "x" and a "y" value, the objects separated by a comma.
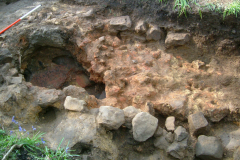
[
  {"x": 20, "y": 145},
  {"x": 227, "y": 9}
]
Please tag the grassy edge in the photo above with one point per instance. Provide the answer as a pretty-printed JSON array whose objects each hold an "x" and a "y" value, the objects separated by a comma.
[{"x": 184, "y": 5}]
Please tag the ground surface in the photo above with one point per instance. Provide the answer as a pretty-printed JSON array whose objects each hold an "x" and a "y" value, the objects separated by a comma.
[{"x": 177, "y": 80}]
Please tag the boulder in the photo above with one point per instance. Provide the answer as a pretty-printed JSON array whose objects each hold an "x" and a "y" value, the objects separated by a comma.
[
  {"x": 144, "y": 126},
  {"x": 154, "y": 33},
  {"x": 110, "y": 117},
  {"x": 197, "y": 123},
  {"x": 74, "y": 104},
  {"x": 120, "y": 23},
  {"x": 209, "y": 148},
  {"x": 176, "y": 39},
  {"x": 180, "y": 134},
  {"x": 129, "y": 113},
  {"x": 169, "y": 123},
  {"x": 76, "y": 92}
]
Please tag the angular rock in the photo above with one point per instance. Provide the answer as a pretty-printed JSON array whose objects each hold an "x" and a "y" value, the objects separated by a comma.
[
  {"x": 129, "y": 113},
  {"x": 180, "y": 134},
  {"x": 76, "y": 92},
  {"x": 5, "y": 56},
  {"x": 178, "y": 149},
  {"x": 232, "y": 140},
  {"x": 176, "y": 39},
  {"x": 141, "y": 26},
  {"x": 120, "y": 23},
  {"x": 49, "y": 97},
  {"x": 75, "y": 104},
  {"x": 169, "y": 137},
  {"x": 197, "y": 123},
  {"x": 110, "y": 117},
  {"x": 158, "y": 132},
  {"x": 209, "y": 148},
  {"x": 83, "y": 130},
  {"x": 161, "y": 143},
  {"x": 169, "y": 123},
  {"x": 16, "y": 80},
  {"x": 154, "y": 33},
  {"x": 144, "y": 126}
]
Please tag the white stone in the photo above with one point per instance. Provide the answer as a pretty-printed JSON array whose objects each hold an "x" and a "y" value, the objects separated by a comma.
[
  {"x": 75, "y": 104},
  {"x": 170, "y": 126}
]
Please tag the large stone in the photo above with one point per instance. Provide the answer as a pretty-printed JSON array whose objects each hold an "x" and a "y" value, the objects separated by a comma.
[
  {"x": 49, "y": 97},
  {"x": 76, "y": 129},
  {"x": 209, "y": 148},
  {"x": 144, "y": 126},
  {"x": 76, "y": 92},
  {"x": 197, "y": 123},
  {"x": 75, "y": 104},
  {"x": 46, "y": 36},
  {"x": 232, "y": 140},
  {"x": 176, "y": 39},
  {"x": 154, "y": 33},
  {"x": 129, "y": 113},
  {"x": 180, "y": 133},
  {"x": 5, "y": 56},
  {"x": 170, "y": 123},
  {"x": 110, "y": 117},
  {"x": 120, "y": 23}
]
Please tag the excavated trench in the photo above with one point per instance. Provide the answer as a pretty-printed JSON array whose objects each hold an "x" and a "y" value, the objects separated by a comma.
[{"x": 56, "y": 68}]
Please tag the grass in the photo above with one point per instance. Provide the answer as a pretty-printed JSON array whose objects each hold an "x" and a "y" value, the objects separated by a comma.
[
  {"x": 13, "y": 145},
  {"x": 227, "y": 9}
]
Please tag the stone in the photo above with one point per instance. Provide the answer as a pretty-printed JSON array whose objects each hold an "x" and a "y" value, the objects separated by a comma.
[
  {"x": 48, "y": 97},
  {"x": 154, "y": 33},
  {"x": 76, "y": 92},
  {"x": 120, "y": 23},
  {"x": 178, "y": 149},
  {"x": 82, "y": 80},
  {"x": 197, "y": 123},
  {"x": 46, "y": 36},
  {"x": 13, "y": 72},
  {"x": 5, "y": 56},
  {"x": 232, "y": 140},
  {"x": 180, "y": 133},
  {"x": 169, "y": 137},
  {"x": 144, "y": 126},
  {"x": 209, "y": 148},
  {"x": 161, "y": 143},
  {"x": 16, "y": 80},
  {"x": 141, "y": 26},
  {"x": 158, "y": 132},
  {"x": 236, "y": 155},
  {"x": 129, "y": 113},
  {"x": 176, "y": 39},
  {"x": 110, "y": 117},
  {"x": 74, "y": 104},
  {"x": 94, "y": 111},
  {"x": 83, "y": 130},
  {"x": 88, "y": 13},
  {"x": 169, "y": 123}
]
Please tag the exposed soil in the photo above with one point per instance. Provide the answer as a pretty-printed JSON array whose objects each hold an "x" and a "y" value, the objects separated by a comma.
[{"x": 74, "y": 43}]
